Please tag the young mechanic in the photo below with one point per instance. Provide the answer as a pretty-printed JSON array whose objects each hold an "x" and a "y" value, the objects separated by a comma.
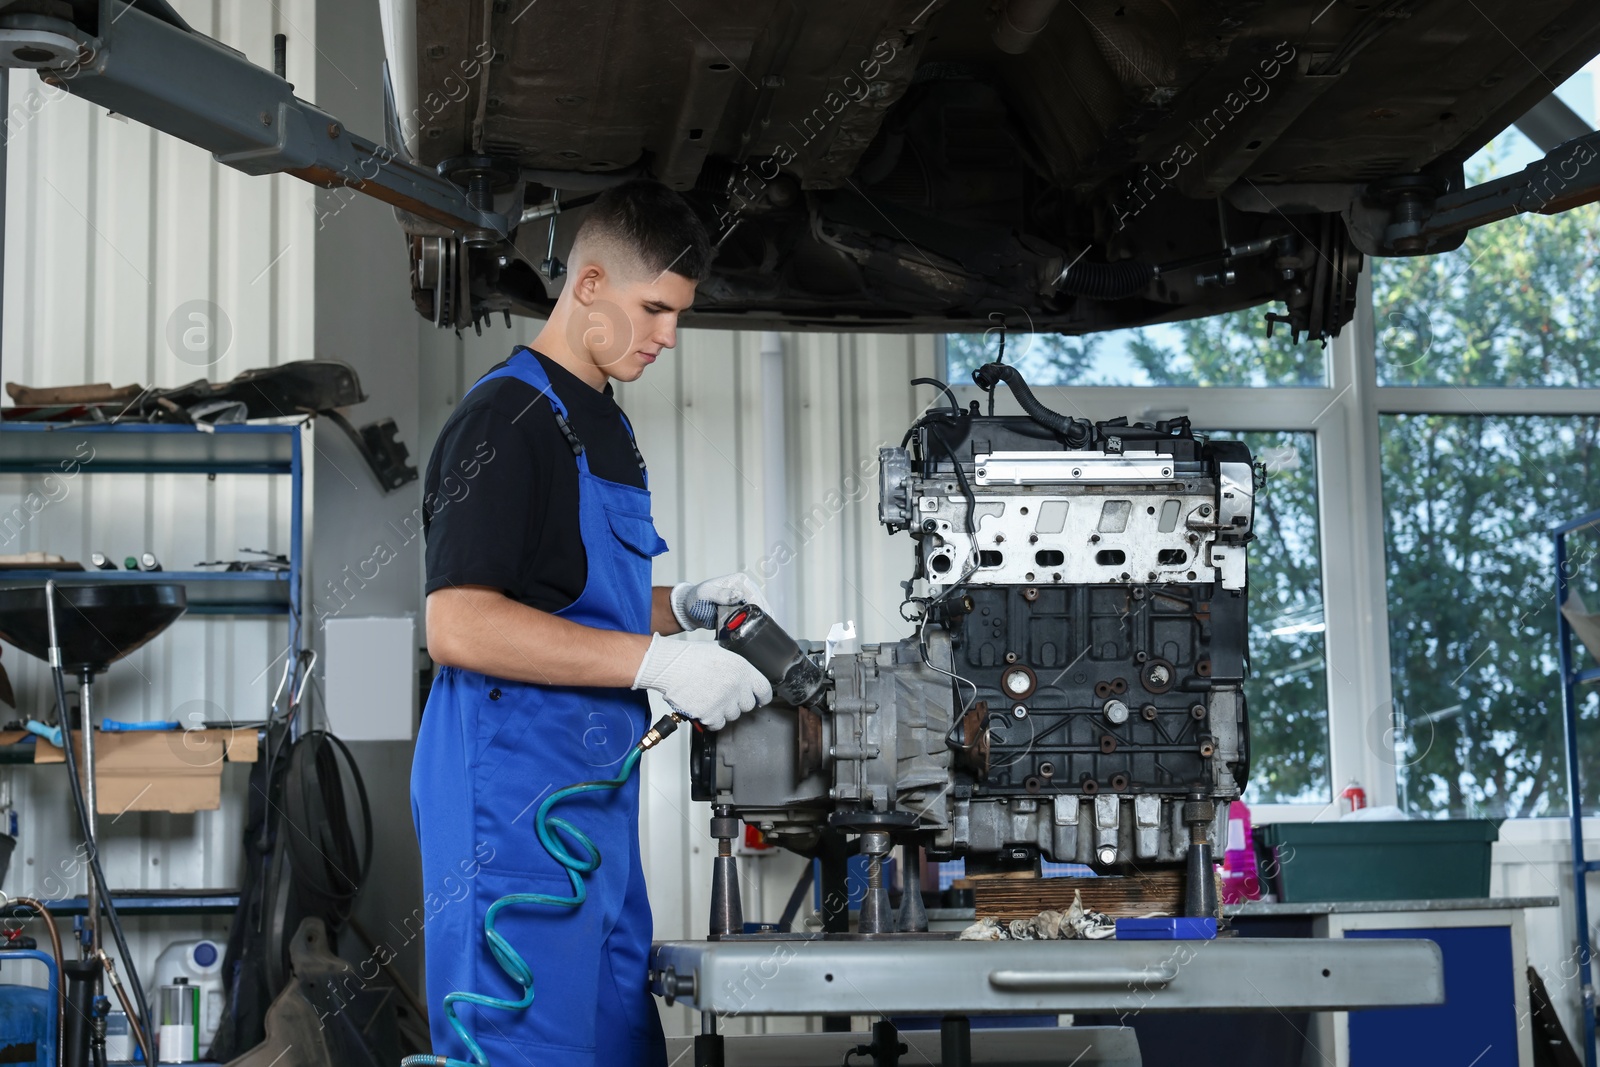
[{"x": 541, "y": 613}]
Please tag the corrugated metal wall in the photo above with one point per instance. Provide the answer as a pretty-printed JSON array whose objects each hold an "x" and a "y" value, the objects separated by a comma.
[
  {"x": 704, "y": 423},
  {"x": 115, "y": 235}
]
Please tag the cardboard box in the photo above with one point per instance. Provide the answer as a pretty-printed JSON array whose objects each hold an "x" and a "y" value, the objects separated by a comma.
[{"x": 149, "y": 770}]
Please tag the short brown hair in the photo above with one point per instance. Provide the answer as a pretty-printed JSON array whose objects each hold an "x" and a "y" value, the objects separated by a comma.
[{"x": 650, "y": 221}]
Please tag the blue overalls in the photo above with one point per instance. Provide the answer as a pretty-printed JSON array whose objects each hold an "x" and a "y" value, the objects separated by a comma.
[{"x": 488, "y": 752}]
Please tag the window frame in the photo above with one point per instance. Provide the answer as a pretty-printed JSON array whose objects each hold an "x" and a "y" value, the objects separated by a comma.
[{"x": 1343, "y": 417}]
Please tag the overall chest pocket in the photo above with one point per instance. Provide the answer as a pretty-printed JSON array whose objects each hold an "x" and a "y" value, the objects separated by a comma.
[{"x": 636, "y": 530}]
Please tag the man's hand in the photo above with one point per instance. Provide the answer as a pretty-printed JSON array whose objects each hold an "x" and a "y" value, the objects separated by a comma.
[
  {"x": 726, "y": 591},
  {"x": 702, "y": 681}
]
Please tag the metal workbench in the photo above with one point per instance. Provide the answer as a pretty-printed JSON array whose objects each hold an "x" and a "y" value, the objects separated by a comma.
[
  {"x": 1258, "y": 909},
  {"x": 958, "y": 979}
]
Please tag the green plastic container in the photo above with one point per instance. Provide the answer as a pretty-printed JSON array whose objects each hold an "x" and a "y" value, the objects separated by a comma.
[{"x": 1410, "y": 860}]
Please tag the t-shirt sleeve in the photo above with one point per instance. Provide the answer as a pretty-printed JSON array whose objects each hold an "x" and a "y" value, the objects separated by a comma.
[{"x": 482, "y": 525}]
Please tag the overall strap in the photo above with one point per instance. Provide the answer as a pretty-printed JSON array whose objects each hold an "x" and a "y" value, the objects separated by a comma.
[
  {"x": 633, "y": 442},
  {"x": 525, "y": 366}
]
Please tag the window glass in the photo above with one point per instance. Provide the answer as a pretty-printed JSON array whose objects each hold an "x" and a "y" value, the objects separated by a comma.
[
  {"x": 1513, "y": 306},
  {"x": 1468, "y": 504},
  {"x": 1222, "y": 350},
  {"x": 1287, "y": 692}
]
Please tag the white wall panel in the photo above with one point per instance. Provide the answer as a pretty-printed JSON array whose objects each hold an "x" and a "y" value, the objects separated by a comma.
[{"x": 112, "y": 230}]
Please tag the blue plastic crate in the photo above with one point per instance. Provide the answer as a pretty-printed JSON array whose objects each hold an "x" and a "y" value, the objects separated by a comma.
[{"x": 1181, "y": 929}]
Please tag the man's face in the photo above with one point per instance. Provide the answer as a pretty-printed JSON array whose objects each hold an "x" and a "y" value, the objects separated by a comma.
[{"x": 627, "y": 323}]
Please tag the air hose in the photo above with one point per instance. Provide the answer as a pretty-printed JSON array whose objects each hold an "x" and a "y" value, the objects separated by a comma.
[{"x": 579, "y": 855}]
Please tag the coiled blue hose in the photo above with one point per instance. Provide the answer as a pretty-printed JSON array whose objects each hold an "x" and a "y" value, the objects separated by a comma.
[{"x": 578, "y": 865}]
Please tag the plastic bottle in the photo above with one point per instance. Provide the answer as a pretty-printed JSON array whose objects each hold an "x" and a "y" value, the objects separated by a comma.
[
  {"x": 1240, "y": 880},
  {"x": 200, "y": 964},
  {"x": 177, "y": 1008},
  {"x": 120, "y": 1046}
]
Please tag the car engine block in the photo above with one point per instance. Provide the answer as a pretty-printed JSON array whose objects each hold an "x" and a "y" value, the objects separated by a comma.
[{"x": 1073, "y": 690}]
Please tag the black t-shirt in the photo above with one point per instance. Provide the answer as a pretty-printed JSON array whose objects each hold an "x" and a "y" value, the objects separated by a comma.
[{"x": 500, "y": 503}]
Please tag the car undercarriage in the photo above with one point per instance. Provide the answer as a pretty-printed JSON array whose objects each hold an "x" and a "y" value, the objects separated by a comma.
[{"x": 913, "y": 165}]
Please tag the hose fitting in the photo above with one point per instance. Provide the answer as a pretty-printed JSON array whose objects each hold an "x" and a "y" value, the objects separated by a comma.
[{"x": 664, "y": 728}]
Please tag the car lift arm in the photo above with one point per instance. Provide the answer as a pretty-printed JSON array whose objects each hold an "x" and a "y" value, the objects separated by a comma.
[
  {"x": 199, "y": 90},
  {"x": 1419, "y": 215}
]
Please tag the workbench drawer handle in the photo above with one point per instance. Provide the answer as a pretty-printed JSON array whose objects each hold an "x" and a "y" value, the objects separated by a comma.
[{"x": 1058, "y": 981}]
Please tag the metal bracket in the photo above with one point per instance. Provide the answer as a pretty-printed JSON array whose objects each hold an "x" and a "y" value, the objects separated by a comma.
[{"x": 380, "y": 445}]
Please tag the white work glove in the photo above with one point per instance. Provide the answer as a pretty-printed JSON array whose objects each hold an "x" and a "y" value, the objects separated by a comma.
[
  {"x": 702, "y": 680},
  {"x": 725, "y": 592}
]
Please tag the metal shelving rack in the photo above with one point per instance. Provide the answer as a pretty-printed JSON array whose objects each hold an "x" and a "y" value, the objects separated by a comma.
[
  {"x": 1571, "y": 678},
  {"x": 141, "y": 448}
]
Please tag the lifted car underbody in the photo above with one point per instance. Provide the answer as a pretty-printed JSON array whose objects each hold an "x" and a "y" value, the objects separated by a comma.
[
  {"x": 933, "y": 165},
  {"x": 908, "y": 164}
]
